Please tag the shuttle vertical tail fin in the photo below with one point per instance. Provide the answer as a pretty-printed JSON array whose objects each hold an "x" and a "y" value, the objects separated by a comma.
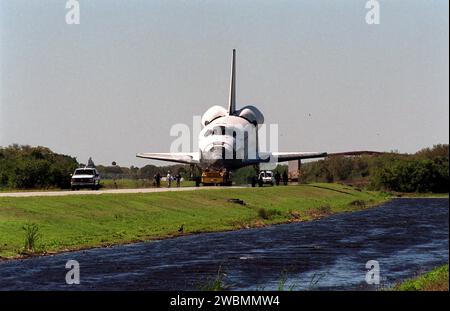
[{"x": 232, "y": 101}]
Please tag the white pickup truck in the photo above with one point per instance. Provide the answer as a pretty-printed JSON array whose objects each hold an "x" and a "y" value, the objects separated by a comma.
[
  {"x": 86, "y": 177},
  {"x": 266, "y": 177}
]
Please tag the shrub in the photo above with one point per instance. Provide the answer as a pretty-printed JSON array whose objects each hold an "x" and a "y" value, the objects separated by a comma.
[
  {"x": 425, "y": 171},
  {"x": 217, "y": 284},
  {"x": 413, "y": 175},
  {"x": 31, "y": 236},
  {"x": 267, "y": 214},
  {"x": 26, "y": 167},
  {"x": 324, "y": 209},
  {"x": 358, "y": 203}
]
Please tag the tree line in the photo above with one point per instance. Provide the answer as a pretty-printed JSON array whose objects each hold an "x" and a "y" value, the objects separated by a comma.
[
  {"x": 424, "y": 171},
  {"x": 26, "y": 167}
]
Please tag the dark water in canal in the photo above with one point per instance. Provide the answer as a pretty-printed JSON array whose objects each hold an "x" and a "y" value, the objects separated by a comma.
[{"x": 406, "y": 237}]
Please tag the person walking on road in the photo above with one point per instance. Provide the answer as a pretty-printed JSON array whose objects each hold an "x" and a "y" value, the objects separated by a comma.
[
  {"x": 277, "y": 178},
  {"x": 285, "y": 178},
  {"x": 178, "y": 178},
  {"x": 169, "y": 179},
  {"x": 158, "y": 179}
]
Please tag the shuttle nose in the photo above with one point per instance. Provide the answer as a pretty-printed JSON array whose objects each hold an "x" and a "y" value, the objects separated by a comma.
[
  {"x": 217, "y": 155},
  {"x": 220, "y": 152}
]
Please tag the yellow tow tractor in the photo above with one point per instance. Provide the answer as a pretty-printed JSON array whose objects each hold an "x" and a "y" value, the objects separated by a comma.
[{"x": 215, "y": 177}]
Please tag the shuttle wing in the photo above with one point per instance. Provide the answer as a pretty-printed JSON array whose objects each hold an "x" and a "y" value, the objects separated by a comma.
[
  {"x": 288, "y": 156},
  {"x": 178, "y": 157}
]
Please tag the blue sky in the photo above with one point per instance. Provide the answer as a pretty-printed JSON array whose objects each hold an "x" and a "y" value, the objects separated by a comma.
[{"x": 115, "y": 84}]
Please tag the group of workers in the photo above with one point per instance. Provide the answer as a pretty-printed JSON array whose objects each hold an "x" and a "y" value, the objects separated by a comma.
[
  {"x": 278, "y": 177},
  {"x": 169, "y": 178},
  {"x": 258, "y": 179}
]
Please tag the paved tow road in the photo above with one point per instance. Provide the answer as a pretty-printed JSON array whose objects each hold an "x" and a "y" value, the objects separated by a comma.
[
  {"x": 96, "y": 192},
  {"x": 406, "y": 237}
]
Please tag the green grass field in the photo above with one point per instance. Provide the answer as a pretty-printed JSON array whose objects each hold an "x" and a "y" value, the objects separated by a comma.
[
  {"x": 76, "y": 222},
  {"x": 435, "y": 280}
]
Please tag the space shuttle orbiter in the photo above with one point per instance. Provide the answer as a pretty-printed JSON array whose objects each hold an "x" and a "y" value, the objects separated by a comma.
[{"x": 229, "y": 138}]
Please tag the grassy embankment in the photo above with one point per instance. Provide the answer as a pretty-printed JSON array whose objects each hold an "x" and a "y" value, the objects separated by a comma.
[
  {"x": 76, "y": 222},
  {"x": 419, "y": 195},
  {"x": 435, "y": 280}
]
